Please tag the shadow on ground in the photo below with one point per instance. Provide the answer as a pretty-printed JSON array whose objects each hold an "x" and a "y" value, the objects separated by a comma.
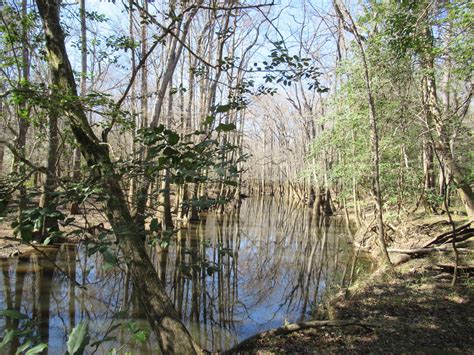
[{"x": 415, "y": 312}]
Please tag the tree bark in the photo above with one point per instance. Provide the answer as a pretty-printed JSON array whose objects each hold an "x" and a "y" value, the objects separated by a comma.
[
  {"x": 2, "y": 137},
  {"x": 50, "y": 181},
  {"x": 435, "y": 121},
  {"x": 76, "y": 172},
  {"x": 172, "y": 335},
  {"x": 20, "y": 142}
]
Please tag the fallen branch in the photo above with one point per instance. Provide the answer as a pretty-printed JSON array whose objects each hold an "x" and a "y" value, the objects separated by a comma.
[
  {"x": 462, "y": 268},
  {"x": 422, "y": 250},
  {"x": 360, "y": 246},
  {"x": 445, "y": 237},
  {"x": 290, "y": 328},
  {"x": 392, "y": 227}
]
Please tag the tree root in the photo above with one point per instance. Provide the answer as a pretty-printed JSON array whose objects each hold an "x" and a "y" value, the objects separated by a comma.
[{"x": 462, "y": 233}]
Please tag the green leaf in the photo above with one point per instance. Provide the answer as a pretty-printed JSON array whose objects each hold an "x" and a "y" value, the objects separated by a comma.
[
  {"x": 208, "y": 120},
  {"x": 141, "y": 336},
  {"x": 110, "y": 259},
  {"x": 26, "y": 232},
  {"x": 13, "y": 314},
  {"x": 9, "y": 334},
  {"x": 173, "y": 138},
  {"x": 225, "y": 127},
  {"x": 154, "y": 225},
  {"x": 78, "y": 339},
  {"x": 222, "y": 108},
  {"x": 169, "y": 151},
  {"x": 23, "y": 347},
  {"x": 230, "y": 182},
  {"x": 37, "y": 349}
]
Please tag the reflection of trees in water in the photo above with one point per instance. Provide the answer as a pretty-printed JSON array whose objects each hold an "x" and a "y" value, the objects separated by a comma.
[
  {"x": 55, "y": 304},
  {"x": 269, "y": 262},
  {"x": 27, "y": 289},
  {"x": 228, "y": 276},
  {"x": 13, "y": 294}
]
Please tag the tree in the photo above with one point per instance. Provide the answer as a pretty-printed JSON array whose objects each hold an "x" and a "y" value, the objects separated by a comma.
[
  {"x": 436, "y": 121},
  {"x": 76, "y": 175},
  {"x": 347, "y": 18},
  {"x": 171, "y": 333}
]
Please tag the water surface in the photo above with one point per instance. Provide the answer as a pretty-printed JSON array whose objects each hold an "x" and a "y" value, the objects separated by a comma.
[{"x": 229, "y": 277}]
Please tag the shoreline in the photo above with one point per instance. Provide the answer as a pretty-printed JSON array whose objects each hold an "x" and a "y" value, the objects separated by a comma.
[{"x": 410, "y": 309}]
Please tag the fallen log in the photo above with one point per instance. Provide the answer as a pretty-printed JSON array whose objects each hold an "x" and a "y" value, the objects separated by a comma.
[
  {"x": 421, "y": 251},
  {"x": 460, "y": 268},
  {"x": 360, "y": 246},
  {"x": 463, "y": 235},
  {"x": 399, "y": 259},
  {"x": 444, "y": 237},
  {"x": 290, "y": 328}
]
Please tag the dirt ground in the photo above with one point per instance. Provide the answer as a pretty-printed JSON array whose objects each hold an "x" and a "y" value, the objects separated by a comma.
[
  {"x": 11, "y": 246},
  {"x": 412, "y": 309}
]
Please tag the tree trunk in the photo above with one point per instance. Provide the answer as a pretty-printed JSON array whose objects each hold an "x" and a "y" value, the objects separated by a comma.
[
  {"x": 76, "y": 172},
  {"x": 177, "y": 46},
  {"x": 327, "y": 203},
  {"x": 172, "y": 335},
  {"x": 50, "y": 181},
  {"x": 374, "y": 137},
  {"x": 2, "y": 137},
  {"x": 165, "y": 198},
  {"x": 429, "y": 176},
  {"x": 20, "y": 142},
  {"x": 428, "y": 166},
  {"x": 436, "y": 122},
  {"x": 133, "y": 146}
]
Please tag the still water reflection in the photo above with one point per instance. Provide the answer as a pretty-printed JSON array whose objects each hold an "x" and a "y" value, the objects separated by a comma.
[{"x": 229, "y": 276}]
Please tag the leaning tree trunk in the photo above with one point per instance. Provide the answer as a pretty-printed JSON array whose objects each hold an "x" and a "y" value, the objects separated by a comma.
[{"x": 172, "y": 335}]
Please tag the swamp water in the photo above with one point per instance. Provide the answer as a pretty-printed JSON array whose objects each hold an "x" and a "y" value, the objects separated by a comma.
[{"x": 229, "y": 277}]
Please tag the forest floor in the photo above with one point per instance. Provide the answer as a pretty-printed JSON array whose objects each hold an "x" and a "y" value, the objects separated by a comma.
[
  {"x": 412, "y": 309},
  {"x": 11, "y": 246}
]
